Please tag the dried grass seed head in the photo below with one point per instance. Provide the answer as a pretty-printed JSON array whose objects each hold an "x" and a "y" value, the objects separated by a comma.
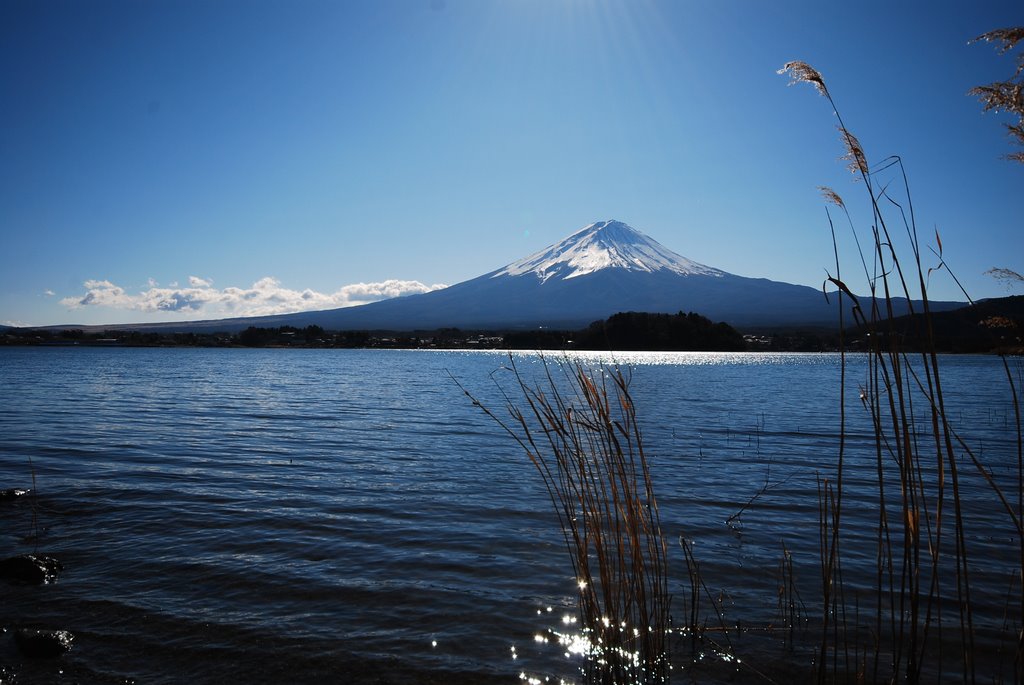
[
  {"x": 832, "y": 196},
  {"x": 855, "y": 157},
  {"x": 1002, "y": 96},
  {"x": 1007, "y": 38},
  {"x": 1017, "y": 131},
  {"x": 802, "y": 72}
]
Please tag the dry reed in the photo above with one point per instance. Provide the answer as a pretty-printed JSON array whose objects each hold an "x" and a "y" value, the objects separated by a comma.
[
  {"x": 921, "y": 604},
  {"x": 580, "y": 432}
]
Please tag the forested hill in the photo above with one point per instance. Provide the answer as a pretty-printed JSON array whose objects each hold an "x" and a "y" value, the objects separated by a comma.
[
  {"x": 994, "y": 325},
  {"x": 633, "y": 331}
]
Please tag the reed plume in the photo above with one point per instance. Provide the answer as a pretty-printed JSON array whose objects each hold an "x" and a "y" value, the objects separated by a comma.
[
  {"x": 1005, "y": 96},
  {"x": 1006, "y": 38},
  {"x": 855, "y": 158},
  {"x": 832, "y": 197},
  {"x": 802, "y": 72}
]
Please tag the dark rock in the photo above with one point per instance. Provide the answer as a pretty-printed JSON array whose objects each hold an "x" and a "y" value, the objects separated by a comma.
[
  {"x": 12, "y": 494},
  {"x": 30, "y": 569},
  {"x": 43, "y": 643}
]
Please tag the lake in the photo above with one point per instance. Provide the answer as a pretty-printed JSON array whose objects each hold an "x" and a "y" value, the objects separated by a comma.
[{"x": 238, "y": 515}]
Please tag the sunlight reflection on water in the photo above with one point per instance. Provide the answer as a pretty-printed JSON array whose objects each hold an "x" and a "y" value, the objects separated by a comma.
[{"x": 645, "y": 358}]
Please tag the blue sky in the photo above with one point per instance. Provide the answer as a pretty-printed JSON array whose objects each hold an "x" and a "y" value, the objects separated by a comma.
[{"x": 185, "y": 160}]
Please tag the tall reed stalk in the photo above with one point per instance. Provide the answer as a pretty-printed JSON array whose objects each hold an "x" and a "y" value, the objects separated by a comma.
[
  {"x": 579, "y": 430},
  {"x": 921, "y": 603}
]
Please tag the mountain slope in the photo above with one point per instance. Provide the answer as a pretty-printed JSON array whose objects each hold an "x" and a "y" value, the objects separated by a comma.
[{"x": 604, "y": 268}]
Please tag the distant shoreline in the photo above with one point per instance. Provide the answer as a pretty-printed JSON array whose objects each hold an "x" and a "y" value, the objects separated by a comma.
[
  {"x": 468, "y": 345},
  {"x": 993, "y": 327}
]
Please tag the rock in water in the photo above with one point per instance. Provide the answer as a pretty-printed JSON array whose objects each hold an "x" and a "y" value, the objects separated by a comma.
[
  {"x": 30, "y": 569},
  {"x": 12, "y": 494},
  {"x": 43, "y": 643}
]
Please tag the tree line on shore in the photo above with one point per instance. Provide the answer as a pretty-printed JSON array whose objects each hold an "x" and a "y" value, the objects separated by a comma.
[
  {"x": 624, "y": 331},
  {"x": 985, "y": 327}
]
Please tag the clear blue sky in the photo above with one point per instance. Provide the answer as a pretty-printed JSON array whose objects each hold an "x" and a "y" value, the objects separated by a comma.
[{"x": 171, "y": 160}]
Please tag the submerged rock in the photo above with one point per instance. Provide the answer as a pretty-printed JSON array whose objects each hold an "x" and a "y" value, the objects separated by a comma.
[
  {"x": 43, "y": 643},
  {"x": 12, "y": 493},
  {"x": 31, "y": 569}
]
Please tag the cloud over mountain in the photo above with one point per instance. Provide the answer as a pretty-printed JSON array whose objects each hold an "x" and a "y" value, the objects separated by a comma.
[{"x": 266, "y": 296}]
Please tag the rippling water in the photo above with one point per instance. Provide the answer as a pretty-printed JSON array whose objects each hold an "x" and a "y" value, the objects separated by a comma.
[{"x": 349, "y": 516}]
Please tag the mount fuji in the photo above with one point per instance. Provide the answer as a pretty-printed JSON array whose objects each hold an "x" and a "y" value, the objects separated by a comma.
[{"x": 601, "y": 269}]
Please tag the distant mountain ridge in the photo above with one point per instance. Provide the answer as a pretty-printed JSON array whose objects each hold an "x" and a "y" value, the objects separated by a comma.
[{"x": 602, "y": 269}]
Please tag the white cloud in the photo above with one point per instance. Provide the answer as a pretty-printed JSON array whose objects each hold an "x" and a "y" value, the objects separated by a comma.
[
  {"x": 264, "y": 297},
  {"x": 49, "y": 293}
]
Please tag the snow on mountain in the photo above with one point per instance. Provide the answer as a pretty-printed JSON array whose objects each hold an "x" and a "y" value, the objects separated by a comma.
[{"x": 604, "y": 245}]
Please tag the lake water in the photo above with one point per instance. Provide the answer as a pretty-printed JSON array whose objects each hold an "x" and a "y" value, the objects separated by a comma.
[{"x": 348, "y": 516}]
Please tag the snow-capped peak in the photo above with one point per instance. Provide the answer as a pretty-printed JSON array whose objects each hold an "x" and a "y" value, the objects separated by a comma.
[{"x": 604, "y": 245}]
